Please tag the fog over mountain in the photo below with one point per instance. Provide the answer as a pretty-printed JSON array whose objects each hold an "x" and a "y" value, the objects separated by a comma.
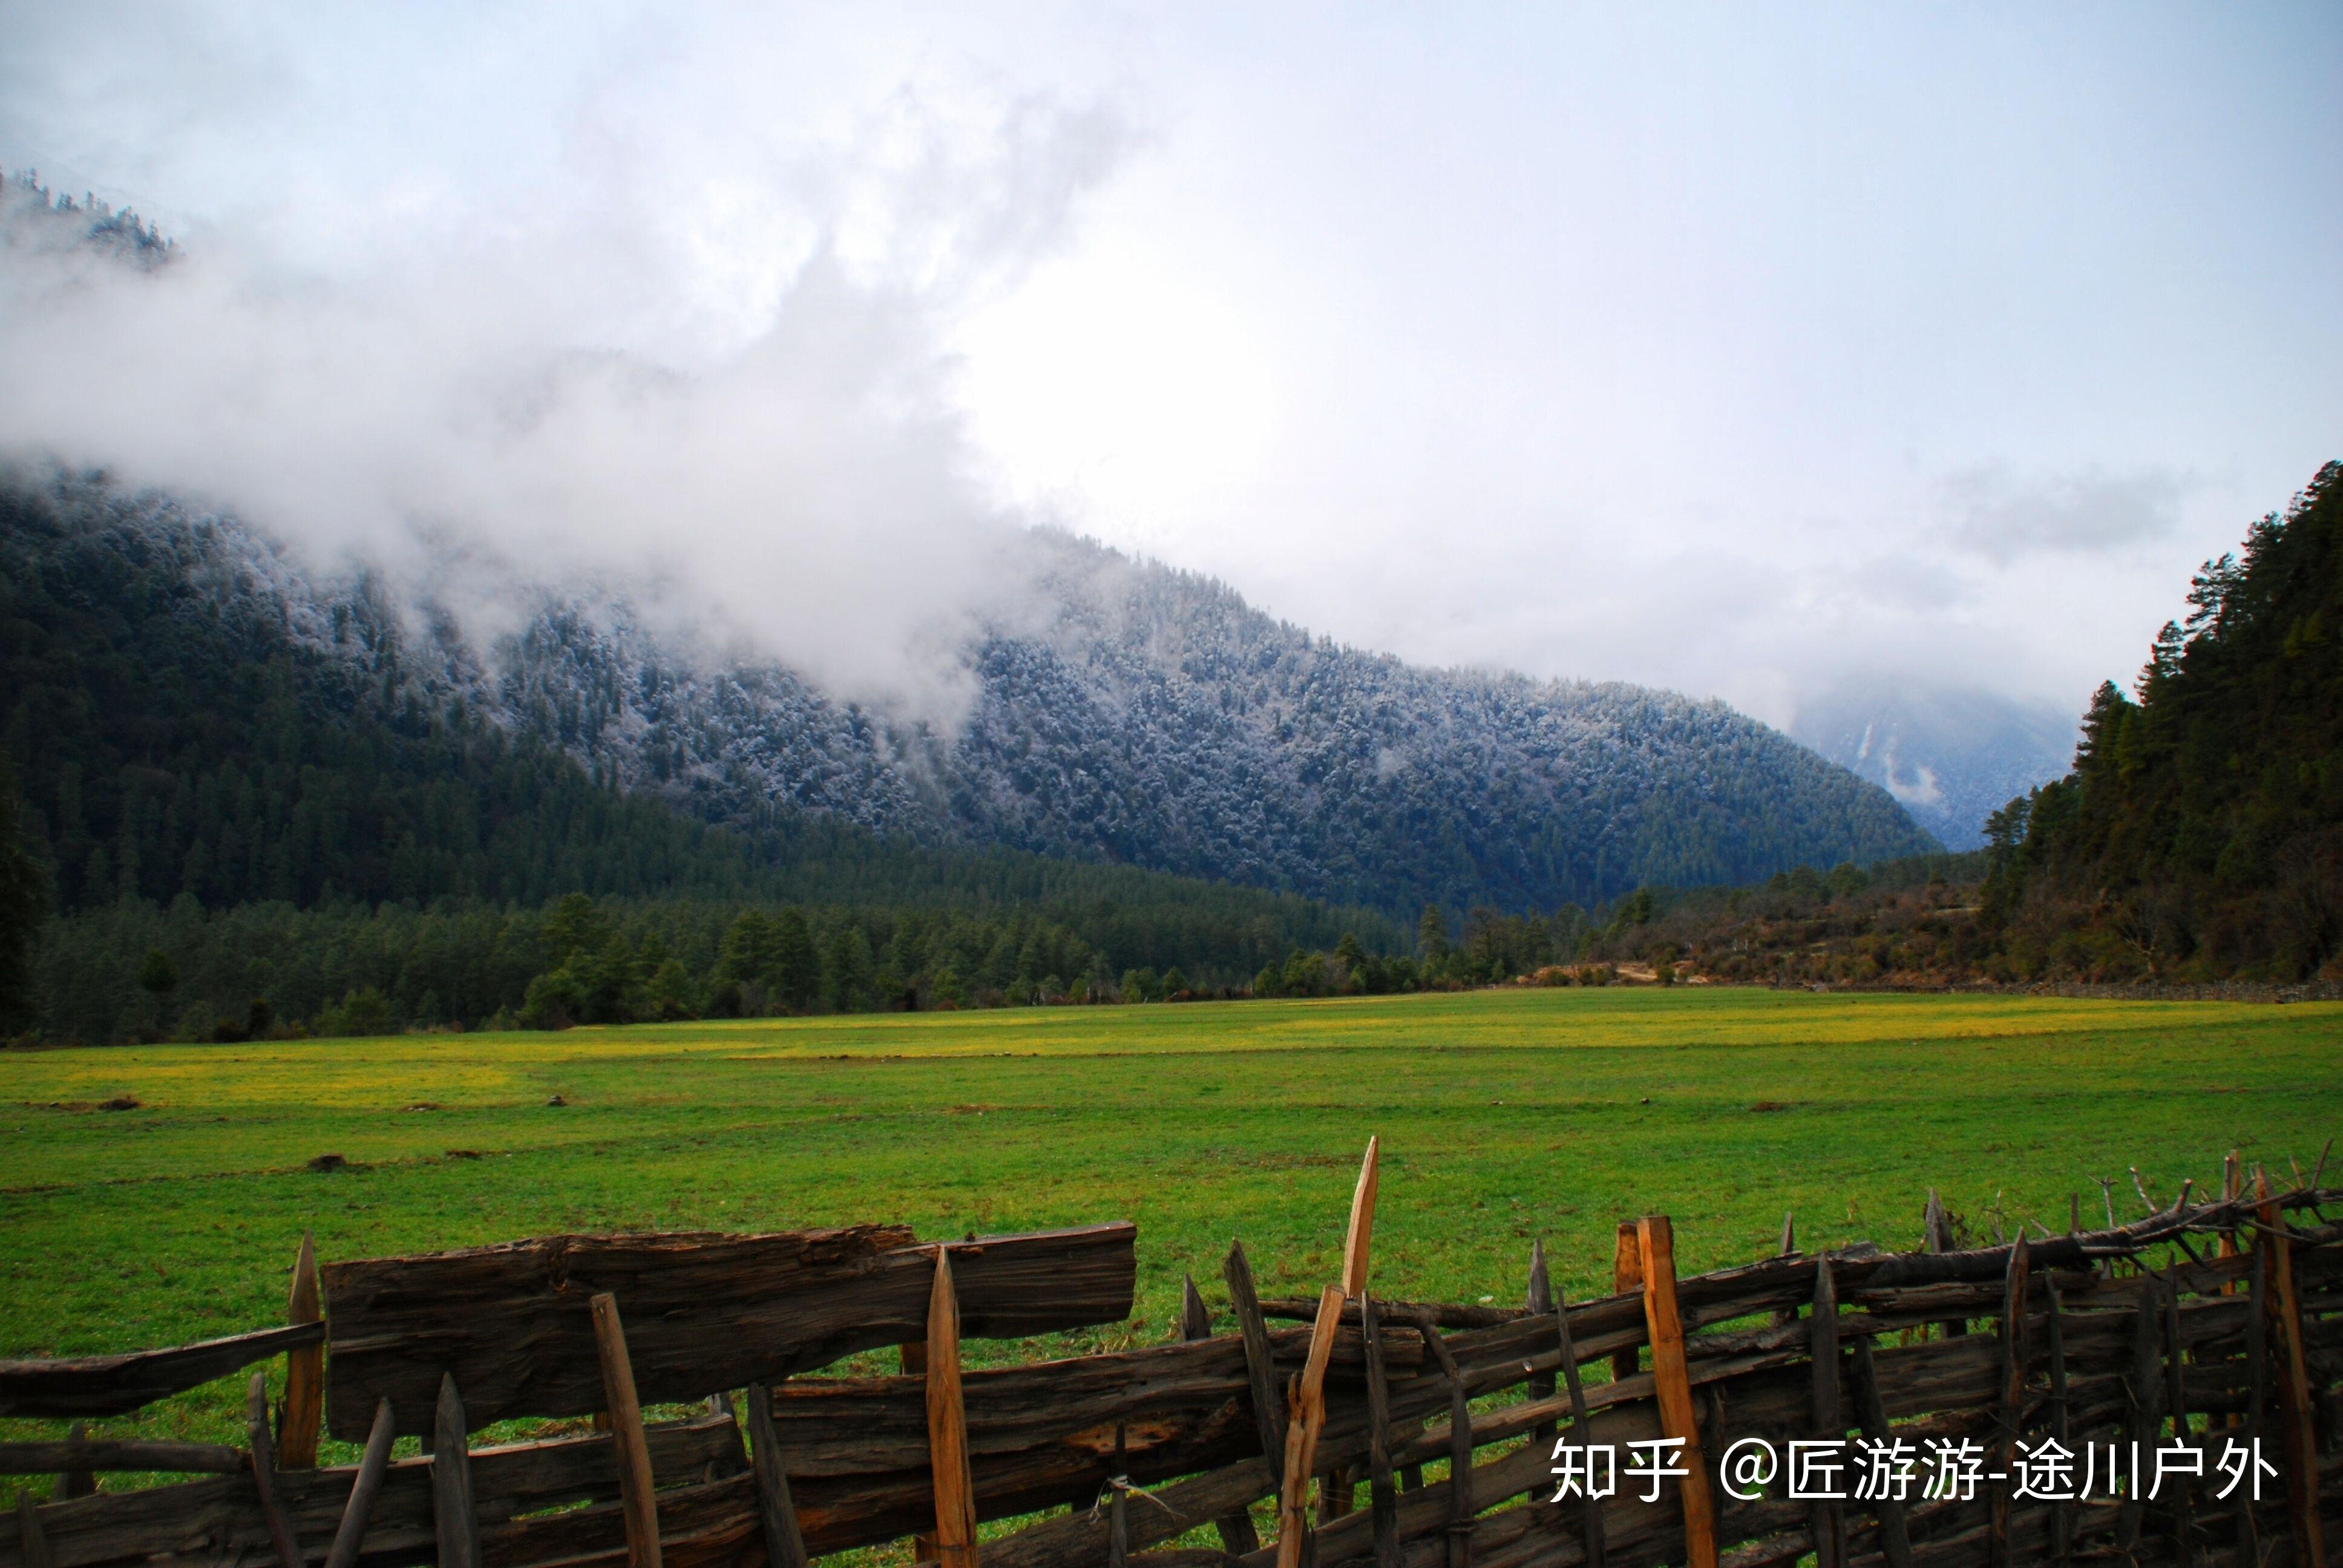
[{"x": 1951, "y": 757}]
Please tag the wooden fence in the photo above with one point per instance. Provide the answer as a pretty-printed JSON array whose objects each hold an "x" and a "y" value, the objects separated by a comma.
[{"x": 1432, "y": 1435}]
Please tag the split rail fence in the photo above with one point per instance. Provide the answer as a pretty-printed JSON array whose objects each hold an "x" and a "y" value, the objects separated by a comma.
[{"x": 1431, "y": 1432}]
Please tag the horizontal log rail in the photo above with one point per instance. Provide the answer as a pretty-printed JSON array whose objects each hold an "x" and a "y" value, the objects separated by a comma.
[
  {"x": 103, "y": 1453},
  {"x": 117, "y": 1384},
  {"x": 851, "y": 1453},
  {"x": 708, "y": 1312}
]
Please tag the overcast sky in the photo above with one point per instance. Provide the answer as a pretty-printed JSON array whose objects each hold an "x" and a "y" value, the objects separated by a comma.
[{"x": 1741, "y": 349}]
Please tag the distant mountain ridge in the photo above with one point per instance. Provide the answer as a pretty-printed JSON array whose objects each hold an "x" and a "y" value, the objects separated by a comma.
[{"x": 1154, "y": 720}]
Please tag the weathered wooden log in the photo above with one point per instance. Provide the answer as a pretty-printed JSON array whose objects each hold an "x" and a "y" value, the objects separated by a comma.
[
  {"x": 454, "y": 1525},
  {"x": 636, "y": 1490},
  {"x": 217, "y": 1521},
  {"x": 363, "y": 1488},
  {"x": 305, "y": 1370},
  {"x": 1440, "y": 1314},
  {"x": 263, "y": 1473},
  {"x": 90, "y": 1454},
  {"x": 710, "y": 1312},
  {"x": 116, "y": 1384}
]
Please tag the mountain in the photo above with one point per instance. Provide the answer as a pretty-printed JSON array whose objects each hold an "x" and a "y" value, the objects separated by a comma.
[
  {"x": 2200, "y": 833},
  {"x": 1142, "y": 717},
  {"x": 1952, "y": 757}
]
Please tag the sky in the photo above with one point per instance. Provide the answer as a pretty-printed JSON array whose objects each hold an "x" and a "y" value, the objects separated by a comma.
[{"x": 1749, "y": 350}]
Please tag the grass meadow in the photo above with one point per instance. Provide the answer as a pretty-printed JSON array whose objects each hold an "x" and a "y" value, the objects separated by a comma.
[{"x": 1504, "y": 1115}]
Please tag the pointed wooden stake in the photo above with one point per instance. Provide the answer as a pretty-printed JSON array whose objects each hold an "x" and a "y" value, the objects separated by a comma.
[
  {"x": 948, "y": 1425},
  {"x": 1195, "y": 1318},
  {"x": 1828, "y": 1411},
  {"x": 455, "y": 1523},
  {"x": 2284, "y": 1334},
  {"x": 263, "y": 1473},
  {"x": 1260, "y": 1374},
  {"x": 2013, "y": 1397},
  {"x": 1672, "y": 1379},
  {"x": 32, "y": 1544},
  {"x": 1238, "y": 1536},
  {"x": 1307, "y": 1408},
  {"x": 1538, "y": 1302},
  {"x": 785, "y": 1546},
  {"x": 637, "y": 1493},
  {"x": 305, "y": 1370},
  {"x": 1591, "y": 1533},
  {"x": 359, "y": 1509}
]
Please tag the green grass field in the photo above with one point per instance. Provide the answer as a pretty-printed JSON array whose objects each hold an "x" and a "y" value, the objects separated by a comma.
[{"x": 1504, "y": 1115}]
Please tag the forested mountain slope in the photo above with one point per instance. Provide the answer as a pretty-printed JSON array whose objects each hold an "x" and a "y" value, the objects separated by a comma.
[
  {"x": 1154, "y": 720},
  {"x": 2201, "y": 830}
]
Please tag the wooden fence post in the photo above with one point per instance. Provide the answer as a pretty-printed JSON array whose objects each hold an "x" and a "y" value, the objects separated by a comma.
[
  {"x": 1937, "y": 1231},
  {"x": 2176, "y": 1395},
  {"x": 948, "y": 1424},
  {"x": 1672, "y": 1379},
  {"x": 785, "y": 1544},
  {"x": 1382, "y": 1497},
  {"x": 1830, "y": 1421},
  {"x": 2062, "y": 1425},
  {"x": 1626, "y": 1278},
  {"x": 1537, "y": 1301},
  {"x": 1260, "y": 1371},
  {"x": 263, "y": 1473},
  {"x": 359, "y": 1509},
  {"x": 637, "y": 1493},
  {"x": 1236, "y": 1531},
  {"x": 305, "y": 1370},
  {"x": 454, "y": 1524},
  {"x": 1308, "y": 1411},
  {"x": 1591, "y": 1533},
  {"x": 911, "y": 1361},
  {"x": 32, "y": 1544},
  {"x": 73, "y": 1484},
  {"x": 2147, "y": 1403},
  {"x": 2293, "y": 1379},
  {"x": 1895, "y": 1536},
  {"x": 2013, "y": 1396}
]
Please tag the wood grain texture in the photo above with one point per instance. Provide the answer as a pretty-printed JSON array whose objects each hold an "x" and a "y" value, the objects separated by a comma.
[
  {"x": 117, "y": 1384},
  {"x": 364, "y": 1487},
  {"x": 955, "y": 1490},
  {"x": 785, "y": 1544},
  {"x": 263, "y": 1473},
  {"x": 454, "y": 1519},
  {"x": 710, "y": 1312},
  {"x": 304, "y": 1369},
  {"x": 637, "y": 1500},
  {"x": 1656, "y": 1248},
  {"x": 72, "y": 1456}
]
